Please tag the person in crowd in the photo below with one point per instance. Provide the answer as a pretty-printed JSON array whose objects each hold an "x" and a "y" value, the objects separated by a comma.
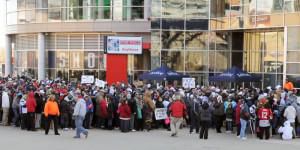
[
  {"x": 286, "y": 131},
  {"x": 5, "y": 107},
  {"x": 103, "y": 106},
  {"x": 65, "y": 110},
  {"x": 39, "y": 98},
  {"x": 238, "y": 118},
  {"x": 139, "y": 112},
  {"x": 148, "y": 109},
  {"x": 89, "y": 113},
  {"x": 289, "y": 86},
  {"x": 110, "y": 113},
  {"x": 229, "y": 118},
  {"x": 290, "y": 115},
  {"x": 264, "y": 115},
  {"x": 15, "y": 107},
  {"x": 205, "y": 120},
  {"x": 194, "y": 106},
  {"x": 218, "y": 113},
  {"x": 51, "y": 112},
  {"x": 23, "y": 112},
  {"x": 31, "y": 106},
  {"x": 133, "y": 107},
  {"x": 244, "y": 118},
  {"x": 158, "y": 104},
  {"x": 125, "y": 114},
  {"x": 178, "y": 112},
  {"x": 79, "y": 114}
]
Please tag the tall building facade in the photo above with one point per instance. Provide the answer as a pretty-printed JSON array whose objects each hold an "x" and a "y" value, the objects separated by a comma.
[
  {"x": 202, "y": 38},
  {"x": 65, "y": 38}
]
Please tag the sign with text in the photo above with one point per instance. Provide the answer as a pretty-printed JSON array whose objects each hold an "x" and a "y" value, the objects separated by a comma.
[
  {"x": 160, "y": 113},
  {"x": 188, "y": 83},
  {"x": 123, "y": 45},
  {"x": 100, "y": 83},
  {"x": 87, "y": 79}
]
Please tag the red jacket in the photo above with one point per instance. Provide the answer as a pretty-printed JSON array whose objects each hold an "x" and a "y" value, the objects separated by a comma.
[
  {"x": 103, "y": 109},
  {"x": 178, "y": 109},
  {"x": 264, "y": 114},
  {"x": 30, "y": 102},
  {"x": 124, "y": 111},
  {"x": 238, "y": 113}
]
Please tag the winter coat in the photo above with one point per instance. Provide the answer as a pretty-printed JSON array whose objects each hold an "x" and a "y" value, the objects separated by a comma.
[
  {"x": 51, "y": 108},
  {"x": 5, "y": 100},
  {"x": 80, "y": 108},
  {"x": 238, "y": 114},
  {"x": 30, "y": 102},
  {"x": 205, "y": 112},
  {"x": 290, "y": 114},
  {"x": 218, "y": 109},
  {"x": 39, "y": 103},
  {"x": 178, "y": 109},
  {"x": 287, "y": 131},
  {"x": 124, "y": 111},
  {"x": 132, "y": 105},
  {"x": 64, "y": 107},
  {"x": 103, "y": 109}
]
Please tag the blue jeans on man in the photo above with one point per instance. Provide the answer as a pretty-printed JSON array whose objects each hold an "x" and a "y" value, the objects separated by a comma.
[
  {"x": 79, "y": 127},
  {"x": 243, "y": 128}
]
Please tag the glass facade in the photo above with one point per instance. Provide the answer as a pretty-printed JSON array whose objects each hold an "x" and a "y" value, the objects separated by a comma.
[
  {"x": 43, "y": 11},
  {"x": 203, "y": 38}
]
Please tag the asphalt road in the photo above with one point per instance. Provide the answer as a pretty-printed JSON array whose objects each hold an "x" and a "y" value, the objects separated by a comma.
[{"x": 15, "y": 139}]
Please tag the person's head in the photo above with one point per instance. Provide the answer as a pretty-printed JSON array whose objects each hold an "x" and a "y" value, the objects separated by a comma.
[
  {"x": 86, "y": 97},
  {"x": 51, "y": 98}
]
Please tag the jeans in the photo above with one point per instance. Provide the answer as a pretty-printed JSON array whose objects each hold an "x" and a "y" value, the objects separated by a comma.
[
  {"x": 79, "y": 127},
  {"x": 16, "y": 117},
  {"x": 38, "y": 120},
  {"x": 132, "y": 118},
  {"x": 229, "y": 126},
  {"x": 243, "y": 128},
  {"x": 204, "y": 129}
]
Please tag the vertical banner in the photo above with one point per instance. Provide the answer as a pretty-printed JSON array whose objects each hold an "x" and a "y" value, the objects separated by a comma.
[{"x": 116, "y": 69}]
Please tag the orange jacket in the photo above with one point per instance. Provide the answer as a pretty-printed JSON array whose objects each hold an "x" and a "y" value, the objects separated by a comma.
[
  {"x": 289, "y": 86},
  {"x": 51, "y": 108}
]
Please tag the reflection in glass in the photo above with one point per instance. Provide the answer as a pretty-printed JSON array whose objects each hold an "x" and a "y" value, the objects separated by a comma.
[
  {"x": 292, "y": 5},
  {"x": 173, "y": 8},
  {"x": 75, "y": 75},
  {"x": 62, "y": 73},
  {"x": 54, "y": 14},
  {"x": 172, "y": 40},
  {"x": 293, "y": 56},
  {"x": 196, "y": 24},
  {"x": 197, "y": 8},
  {"x": 172, "y": 24},
  {"x": 143, "y": 61},
  {"x": 156, "y": 8},
  {"x": 293, "y": 38},
  {"x": 172, "y": 59},
  {"x": 222, "y": 61},
  {"x": 196, "y": 41},
  {"x": 292, "y": 68},
  {"x": 196, "y": 61}
]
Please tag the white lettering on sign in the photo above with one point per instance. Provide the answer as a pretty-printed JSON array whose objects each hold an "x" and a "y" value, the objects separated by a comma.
[
  {"x": 62, "y": 60},
  {"x": 76, "y": 61},
  {"x": 91, "y": 60}
]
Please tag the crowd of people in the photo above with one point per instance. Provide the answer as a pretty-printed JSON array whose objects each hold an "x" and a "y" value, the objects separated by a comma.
[{"x": 34, "y": 105}]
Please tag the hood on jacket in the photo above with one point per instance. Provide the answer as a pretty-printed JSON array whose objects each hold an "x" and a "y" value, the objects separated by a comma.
[{"x": 287, "y": 124}]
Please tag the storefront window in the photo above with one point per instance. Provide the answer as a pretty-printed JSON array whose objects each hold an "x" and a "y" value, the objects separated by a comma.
[
  {"x": 62, "y": 59},
  {"x": 292, "y": 5},
  {"x": 91, "y": 60},
  {"x": 54, "y": 14},
  {"x": 293, "y": 38},
  {"x": 172, "y": 40},
  {"x": 76, "y": 60},
  {"x": 173, "y": 59},
  {"x": 196, "y": 41},
  {"x": 196, "y": 61}
]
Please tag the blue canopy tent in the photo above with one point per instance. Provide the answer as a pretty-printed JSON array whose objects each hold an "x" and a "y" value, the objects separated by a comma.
[
  {"x": 163, "y": 73},
  {"x": 235, "y": 75}
]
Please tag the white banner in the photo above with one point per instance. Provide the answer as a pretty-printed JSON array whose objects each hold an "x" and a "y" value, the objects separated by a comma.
[
  {"x": 124, "y": 45},
  {"x": 188, "y": 83},
  {"x": 100, "y": 83},
  {"x": 87, "y": 79},
  {"x": 160, "y": 113}
]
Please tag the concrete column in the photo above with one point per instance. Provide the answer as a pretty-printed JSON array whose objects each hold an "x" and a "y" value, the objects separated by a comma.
[
  {"x": 8, "y": 63},
  {"x": 41, "y": 56}
]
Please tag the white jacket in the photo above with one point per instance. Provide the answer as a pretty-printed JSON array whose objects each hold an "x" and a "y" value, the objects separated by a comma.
[
  {"x": 290, "y": 114},
  {"x": 287, "y": 131},
  {"x": 80, "y": 108},
  {"x": 5, "y": 100}
]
